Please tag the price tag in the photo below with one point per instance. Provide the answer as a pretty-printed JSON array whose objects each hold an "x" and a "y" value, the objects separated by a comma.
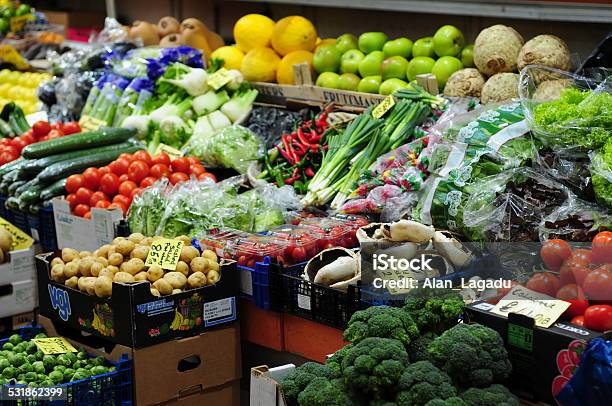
[
  {"x": 219, "y": 79},
  {"x": 10, "y": 55},
  {"x": 542, "y": 308},
  {"x": 164, "y": 253},
  {"x": 173, "y": 153},
  {"x": 53, "y": 345},
  {"x": 383, "y": 107},
  {"x": 88, "y": 123},
  {"x": 21, "y": 241},
  {"x": 17, "y": 23}
]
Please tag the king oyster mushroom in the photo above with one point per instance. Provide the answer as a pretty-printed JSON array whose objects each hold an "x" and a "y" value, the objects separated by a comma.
[
  {"x": 451, "y": 249},
  {"x": 335, "y": 267}
]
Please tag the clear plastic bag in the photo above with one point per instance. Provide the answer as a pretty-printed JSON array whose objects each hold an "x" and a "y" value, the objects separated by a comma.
[
  {"x": 601, "y": 174},
  {"x": 568, "y": 167},
  {"x": 146, "y": 210},
  {"x": 112, "y": 32},
  {"x": 576, "y": 221}
]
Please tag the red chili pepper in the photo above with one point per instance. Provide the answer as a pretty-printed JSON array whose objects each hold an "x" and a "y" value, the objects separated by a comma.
[
  {"x": 300, "y": 149},
  {"x": 309, "y": 172},
  {"x": 305, "y": 142},
  {"x": 289, "y": 181},
  {"x": 290, "y": 151},
  {"x": 296, "y": 173},
  {"x": 285, "y": 155}
]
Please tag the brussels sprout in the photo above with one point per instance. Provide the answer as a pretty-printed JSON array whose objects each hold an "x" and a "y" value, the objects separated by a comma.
[
  {"x": 68, "y": 374},
  {"x": 72, "y": 357},
  {"x": 41, "y": 377},
  {"x": 60, "y": 368},
  {"x": 39, "y": 355},
  {"x": 40, "y": 335},
  {"x": 9, "y": 372},
  {"x": 30, "y": 376},
  {"x": 25, "y": 368},
  {"x": 49, "y": 362},
  {"x": 4, "y": 363},
  {"x": 39, "y": 367},
  {"x": 78, "y": 376},
  {"x": 82, "y": 355},
  {"x": 97, "y": 361},
  {"x": 63, "y": 360},
  {"x": 15, "y": 339},
  {"x": 98, "y": 370},
  {"x": 46, "y": 382},
  {"x": 19, "y": 347},
  {"x": 17, "y": 360},
  {"x": 31, "y": 348},
  {"x": 31, "y": 358},
  {"x": 56, "y": 377},
  {"x": 8, "y": 346}
]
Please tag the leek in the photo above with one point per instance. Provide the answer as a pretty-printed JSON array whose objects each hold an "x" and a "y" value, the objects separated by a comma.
[{"x": 240, "y": 105}]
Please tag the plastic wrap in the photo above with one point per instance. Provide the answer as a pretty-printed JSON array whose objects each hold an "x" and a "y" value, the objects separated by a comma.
[
  {"x": 146, "y": 210},
  {"x": 568, "y": 167},
  {"x": 133, "y": 98},
  {"x": 576, "y": 221},
  {"x": 601, "y": 172},
  {"x": 112, "y": 32}
]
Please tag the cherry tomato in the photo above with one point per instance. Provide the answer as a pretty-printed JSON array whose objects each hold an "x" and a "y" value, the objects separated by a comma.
[
  {"x": 119, "y": 166},
  {"x": 180, "y": 165},
  {"x": 138, "y": 170},
  {"x": 193, "y": 160},
  {"x": 602, "y": 248},
  {"x": 97, "y": 197},
  {"x": 74, "y": 182},
  {"x": 148, "y": 181},
  {"x": 56, "y": 126},
  {"x": 160, "y": 171},
  {"x": 136, "y": 192},
  {"x": 162, "y": 158},
  {"x": 118, "y": 205},
  {"x": 207, "y": 175},
  {"x": 544, "y": 282},
  {"x": 126, "y": 188},
  {"x": 129, "y": 157},
  {"x": 580, "y": 275},
  {"x": 143, "y": 156},
  {"x": 81, "y": 209},
  {"x": 19, "y": 144},
  {"x": 103, "y": 204},
  {"x": 124, "y": 200},
  {"x": 11, "y": 149},
  {"x": 598, "y": 284},
  {"x": 71, "y": 127},
  {"x": 554, "y": 252},
  {"x": 55, "y": 134},
  {"x": 41, "y": 128},
  {"x": 298, "y": 254},
  {"x": 87, "y": 215},
  {"x": 581, "y": 257},
  {"x": 72, "y": 200},
  {"x": 196, "y": 170},
  {"x": 83, "y": 195},
  {"x": 123, "y": 178},
  {"x": 578, "y": 320},
  {"x": 598, "y": 317},
  {"x": 573, "y": 293},
  {"x": 104, "y": 170},
  {"x": 92, "y": 178},
  {"x": 8, "y": 156},
  {"x": 566, "y": 274},
  {"x": 178, "y": 177},
  {"x": 28, "y": 138},
  {"x": 109, "y": 184}
]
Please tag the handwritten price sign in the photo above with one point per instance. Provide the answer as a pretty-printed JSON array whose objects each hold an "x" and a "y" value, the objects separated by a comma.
[
  {"x": 542, "y": 308},
  {"x": 383, "y": 107},
  {"x": 53, "y": 345},
  {"x": 164, "y": 253}
]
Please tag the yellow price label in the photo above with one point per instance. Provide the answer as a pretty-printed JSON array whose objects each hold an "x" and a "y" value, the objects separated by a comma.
[
  {"x": 9, "y": 54},
  {"x": 17, "y": 23},
  {"x": 89, "y": 123},
  {"x": 219, "y": 79},
  {"x": 21, "y": 240},
  {"x": 383, "y": 107},
  {"x": 53, "y": 345},
  {"x": 164, "y": 253},
  {"x": 543, "y": 309},
  {"x": 172, "y": 152}
]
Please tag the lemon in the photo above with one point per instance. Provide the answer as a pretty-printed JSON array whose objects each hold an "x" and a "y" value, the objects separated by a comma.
[
  {"x": 259, "y": 65},
  {"x": 232, "y": 56},
  {"x": 293, "y": 33},
  {"x": 253, "y": 31},
  {"x": 284, "y": 73}
]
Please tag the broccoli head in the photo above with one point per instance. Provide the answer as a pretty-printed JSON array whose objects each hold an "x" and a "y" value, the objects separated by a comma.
[
  {"x": 335, "y": 361},
  {"x": 454, "y": 401},
  {"x": 374, "y": 366},
  {"x": 422, "y": 382},
  {"x": 472, "y": 354},
  {"x": 494, "y": 395},
  {"x": 323, "y": 392},
  {"x": 417, "y": 350},
  {"x": 434, "y": 310},
  {"x": 296, "y": 382},
  {"x": 381, "y": 321}
]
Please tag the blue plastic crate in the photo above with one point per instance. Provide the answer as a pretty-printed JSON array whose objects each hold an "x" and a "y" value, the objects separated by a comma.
[
  {"x": 3, "y": 211},
  {"x": 19, "y": 219},
  {"x": 110, "y": 389},
  {"x": 46, "y": 229}
]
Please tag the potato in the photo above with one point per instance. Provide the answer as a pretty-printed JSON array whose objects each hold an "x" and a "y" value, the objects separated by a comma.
[
  {"x": 68, "y": 254},
  {"x": 86, "y": 284},
  {"x": 111, "y": 250},
  {"x": 56, "y": 261},
  {"x": 102, "y": 261},
  {"x": 141, "y": 276},
  {"x": 133, "y": 266},
  {"x": 154, "y": 273},
  {"x": 84, "y": 254},
  {"x": 125, "y": 247},
  {"x": 175, "y": 291},
  {"x": 112, "y": 268},
  {"x": 6, "y": 240},
  {"x": 155, "y": 292},
  {"x": 105, "y": 272},
  {"x": 213, "y": 265},
  {"x": 212, "y": 277},
  {"x": 186, "y": 240},
  {"x": 72, "y": 282},
  {"x": 117, "y": 240},
  {"x": 136, "y": 237},
  {"x": 115, "y": 259},
  {"x": 147, "y": 241},
  {"x": 103, "y": 287},
  {"x": 103, "y": 251},
  {"x": 123, "y": 277},
  {"x": 209, "y": 254},
  {"x": 95, "y": 268},
  {"x": 182, "y": 267},
  {"x": 71, "y": 269},
  {"x": 199, "y": 264},
  {"x": 188, "y": 253},
  {"x": 163, "y": 286},
  {"x": 140, "y": 252},
  {"x": 196, "y": 280},
  {"x": 95, "y": 254},
  {"x": 57, "y": 273},
  {"x": 176, "y": 279},
  {"x": 85, "y": 266}
]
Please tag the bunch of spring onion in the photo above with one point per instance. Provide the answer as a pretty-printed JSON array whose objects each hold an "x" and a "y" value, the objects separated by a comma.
[
  {"x": 104, "y": 97},
  {"x": 133, "y": 98}
]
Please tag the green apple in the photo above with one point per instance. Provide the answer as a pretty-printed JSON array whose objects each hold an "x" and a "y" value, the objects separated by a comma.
[
  {"x": 346, "y": 42},
  {"x": 467, "y": 56},
  {"x": 398, "y": 47},
  {"x": 444, "y": 67},
  {"x": 423, "y": 47},
  {"x": 372, "y": 41},
  {"x": 418, "y": 66},
  {"x": 370, "y": 84},
  {"x": 326, "y": 59},
  {"x": 348, "y": 81},
  {"x": 394, "y": 67},
  {"x": 448, "y": 41},
  {"x": 391, "y": 86},
  {"x": 328, "y": 79},
  {"x": 371, "y": 65},
  {"x": 349, "y": 63}
]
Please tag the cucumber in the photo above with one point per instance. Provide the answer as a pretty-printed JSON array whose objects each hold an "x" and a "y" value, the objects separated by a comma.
[
  {"x": 26, "y": 186},
  {"x": 57, "y": 188},
  {"x": 30, "y": 196},
  {"x": 66, "y": 168},
  {"x": 11, "y": 166},
  {"x": 14, "y": 186},
  {"x": 81, "y": 141},
  {"x": 12, "y": 203}
]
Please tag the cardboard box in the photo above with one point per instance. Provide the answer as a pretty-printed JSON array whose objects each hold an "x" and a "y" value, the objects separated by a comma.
[
  {"x": 12, "y": 323},
  {"x": 80, "y": 233},
  {"x": 76, "y": 19},
  {"x": 265, "y": 389},
  {"x": 132, "y": 316},
  {"x": 18, "y": 297},
  {"x": 542, "y": 358},
  {"x": 20, "y": 266}
]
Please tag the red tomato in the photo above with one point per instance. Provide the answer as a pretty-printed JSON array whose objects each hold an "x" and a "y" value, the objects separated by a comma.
[
  {"x": 87, "y": 215},
  {"x": 143, "y": 156},
  {"x": 602, "y": 248},
  {"x": 10, "y": 148},
  {"x": 123, "y": 178},
  {"x": 180, "y": 165},
  {"x": 598, "y": 317},
  {"x": 74, "y": 182},
  {"x": 126, "y": 188},
  {"x": 109, "y": 184},
  {"x": 81, "y": 209},
  {"x": 55, "y": 134},
  {"x": 196, "y": 170},
  {"x": 578, "y": 320},
  {"x": 598, "y": 284},
  {"x": 97, "y": 197},
  {"x": 148, "y": 181},
  {"x": 124, "y": 200},
  {"x": 118, "y": 205},
  {"x": 162, "y": 158},
  {"x": 41, "y": 128},
  {"x": 72, "y": 200},
  {"x": 28, "y": 138},
  {"x": 119, "y": 166},
  {"x": 138, "y": 170},
  {"x": 580, "y": 275},
  {"x": 573, "y": 269},
  {"x": 554, "y": 252},
  {"x": 582, "y": 257},
  {"x": 83, "y": 195},
  {"x": 298, "y": 254},
  {"x": 573, "y": 293},
  {"x": 129, "y": 157},
  {"x": 207, "y": 175},
  {"x": 8, "y": 157},
  {"x": 103, "y": 204},
  {"x": 19, "y": 144},
  {"x": 92, "y": 178},
  {"x": 56, "y": 126},
  {"x": 544, "y": 282},
  {"x": 178, "y": 177},
  {"x": 71, "y": 127},
  {"x": 193, "y": 160},
  {"x": 160, "y": 171},
  {"x": 136, "y": 192},
  {"x": 104, "y": 170},
  {"x": 44, "y": 138}
]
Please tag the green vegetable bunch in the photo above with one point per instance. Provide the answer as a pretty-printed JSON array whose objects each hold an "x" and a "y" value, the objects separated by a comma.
[
  {"x": 324, "y": 392},
  {"x": 434, "y": 310},
  {"x": 454, "y": 401},
  {"x": 298, "y": 380},
  {"x": 494, "y": 395},
  {"x": 422, "y": 382},
  {"x": 381, "y": 321}
]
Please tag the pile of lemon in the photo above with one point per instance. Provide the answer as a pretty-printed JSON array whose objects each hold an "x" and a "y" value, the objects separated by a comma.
[
  {"x": 266, "y": 51},
  {"x": 21, "y": 88}
]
